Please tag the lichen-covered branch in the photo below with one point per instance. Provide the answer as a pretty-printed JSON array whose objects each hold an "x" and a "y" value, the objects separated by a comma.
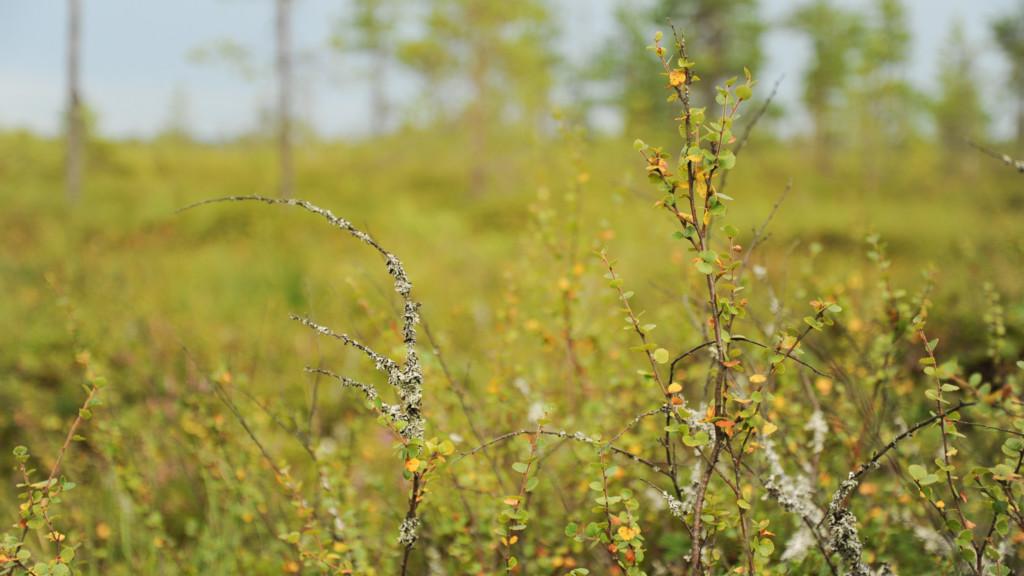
[{"x": 406, "y": 377}]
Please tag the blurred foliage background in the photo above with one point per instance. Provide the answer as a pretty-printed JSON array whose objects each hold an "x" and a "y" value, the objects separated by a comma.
[{"x": 495, "y": 184}]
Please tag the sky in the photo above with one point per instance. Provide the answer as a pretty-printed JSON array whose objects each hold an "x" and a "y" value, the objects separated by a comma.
[{"x": 136, "y": 63}]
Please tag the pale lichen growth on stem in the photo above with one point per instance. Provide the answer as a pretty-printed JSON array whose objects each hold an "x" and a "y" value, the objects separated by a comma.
[{"x": 405, "y": 377}]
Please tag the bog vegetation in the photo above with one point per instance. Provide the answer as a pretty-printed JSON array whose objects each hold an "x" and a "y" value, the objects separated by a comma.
[{"x": 533, "y": 350}]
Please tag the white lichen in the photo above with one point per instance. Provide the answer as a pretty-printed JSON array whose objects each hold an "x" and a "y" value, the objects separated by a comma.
[
  {"x": 798, "y": 545},
  {"x": 794, "y": 494},
  {"x": 932, "y": 541},
  {"x": 408, "y": 531},
  {"x": 841, "y": 527},
  {"x": 818, "y": 428}
]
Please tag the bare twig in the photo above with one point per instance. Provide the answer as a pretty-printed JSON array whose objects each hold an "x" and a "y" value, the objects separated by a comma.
[
  {"x": 1017, "y": 165},
  {"x": 575, "y": 436},
  {"x": 872, "y": 463},
  {"x": 750, "y": 128}
]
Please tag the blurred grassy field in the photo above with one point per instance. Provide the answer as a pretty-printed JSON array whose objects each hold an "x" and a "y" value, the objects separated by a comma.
[
  {"x": 124, "y": 252},
  {"x": 163, "y": 298}
]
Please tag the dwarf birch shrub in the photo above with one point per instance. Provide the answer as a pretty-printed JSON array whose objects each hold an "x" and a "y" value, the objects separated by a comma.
[
  {"x": 769, "y": 445},
  {"x": 732, "y": 417}
]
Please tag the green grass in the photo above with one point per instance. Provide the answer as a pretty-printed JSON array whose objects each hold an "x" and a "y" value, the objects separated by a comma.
[{"x": 168, "y": 483}]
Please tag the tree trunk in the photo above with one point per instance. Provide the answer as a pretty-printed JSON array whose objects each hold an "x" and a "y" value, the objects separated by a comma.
[
  {"x": 1020, "y": 124},
  {"x": 822, "y": 138},
  {"x": 73, "y": 158},
  {"x": 379, "y": 92},
  {"x": 284, "y": 98},
  {"x": 478, "y": 118}
]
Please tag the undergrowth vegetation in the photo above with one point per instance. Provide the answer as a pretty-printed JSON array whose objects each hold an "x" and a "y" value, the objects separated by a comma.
[{"x": 642, "y": 381}]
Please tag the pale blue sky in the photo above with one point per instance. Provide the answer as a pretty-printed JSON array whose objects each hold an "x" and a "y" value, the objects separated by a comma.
[{"x": 135, "y": 56}]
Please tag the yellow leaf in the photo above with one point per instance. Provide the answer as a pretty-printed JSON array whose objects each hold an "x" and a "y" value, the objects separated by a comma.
[
  {"x": 674, "y": 388},
  {"x": 627, "y": 533},
  {"x": 769, "y": 429},
  {"x": 758, "y": 379},
  {"x": 412, "y": 464}
]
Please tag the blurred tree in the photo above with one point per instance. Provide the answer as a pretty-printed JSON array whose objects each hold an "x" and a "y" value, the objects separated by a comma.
[
  {"x": 227, "y": 53},
  {"x": 1009, "y": 34},
  {"x": 958, "y": 110},
  {"x": 886, "y": 112},
  {"x": 370, "y": 30},
  {"x": 889, "y": 106},
  {"x": 834, "y": 34},
  {"x": 73, "y": 161},
  {"x": 726, "y": 33},
  {"x": 284, "y": 97},
  {"x": 177, "y": 127},
  {"x": 621, "y": 64},
  {"x": 502, "y": 50}
]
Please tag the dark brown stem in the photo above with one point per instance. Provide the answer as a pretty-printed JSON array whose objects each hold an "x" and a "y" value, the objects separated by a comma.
[{"x": 410, "y": 519}]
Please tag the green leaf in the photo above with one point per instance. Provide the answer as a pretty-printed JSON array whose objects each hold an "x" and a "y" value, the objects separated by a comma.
[
  {"x": 661, "y": 356},
  {"x": 531, "y": 484},
  {"x": 917, "y": 471},
  {"x": 571, "y": 528},
  {"x": 67, "y": 554},
  {"x": 699, "y": 439},
  {"x": 727, "y": 160},
  {"x": 520, "y": 467}
]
